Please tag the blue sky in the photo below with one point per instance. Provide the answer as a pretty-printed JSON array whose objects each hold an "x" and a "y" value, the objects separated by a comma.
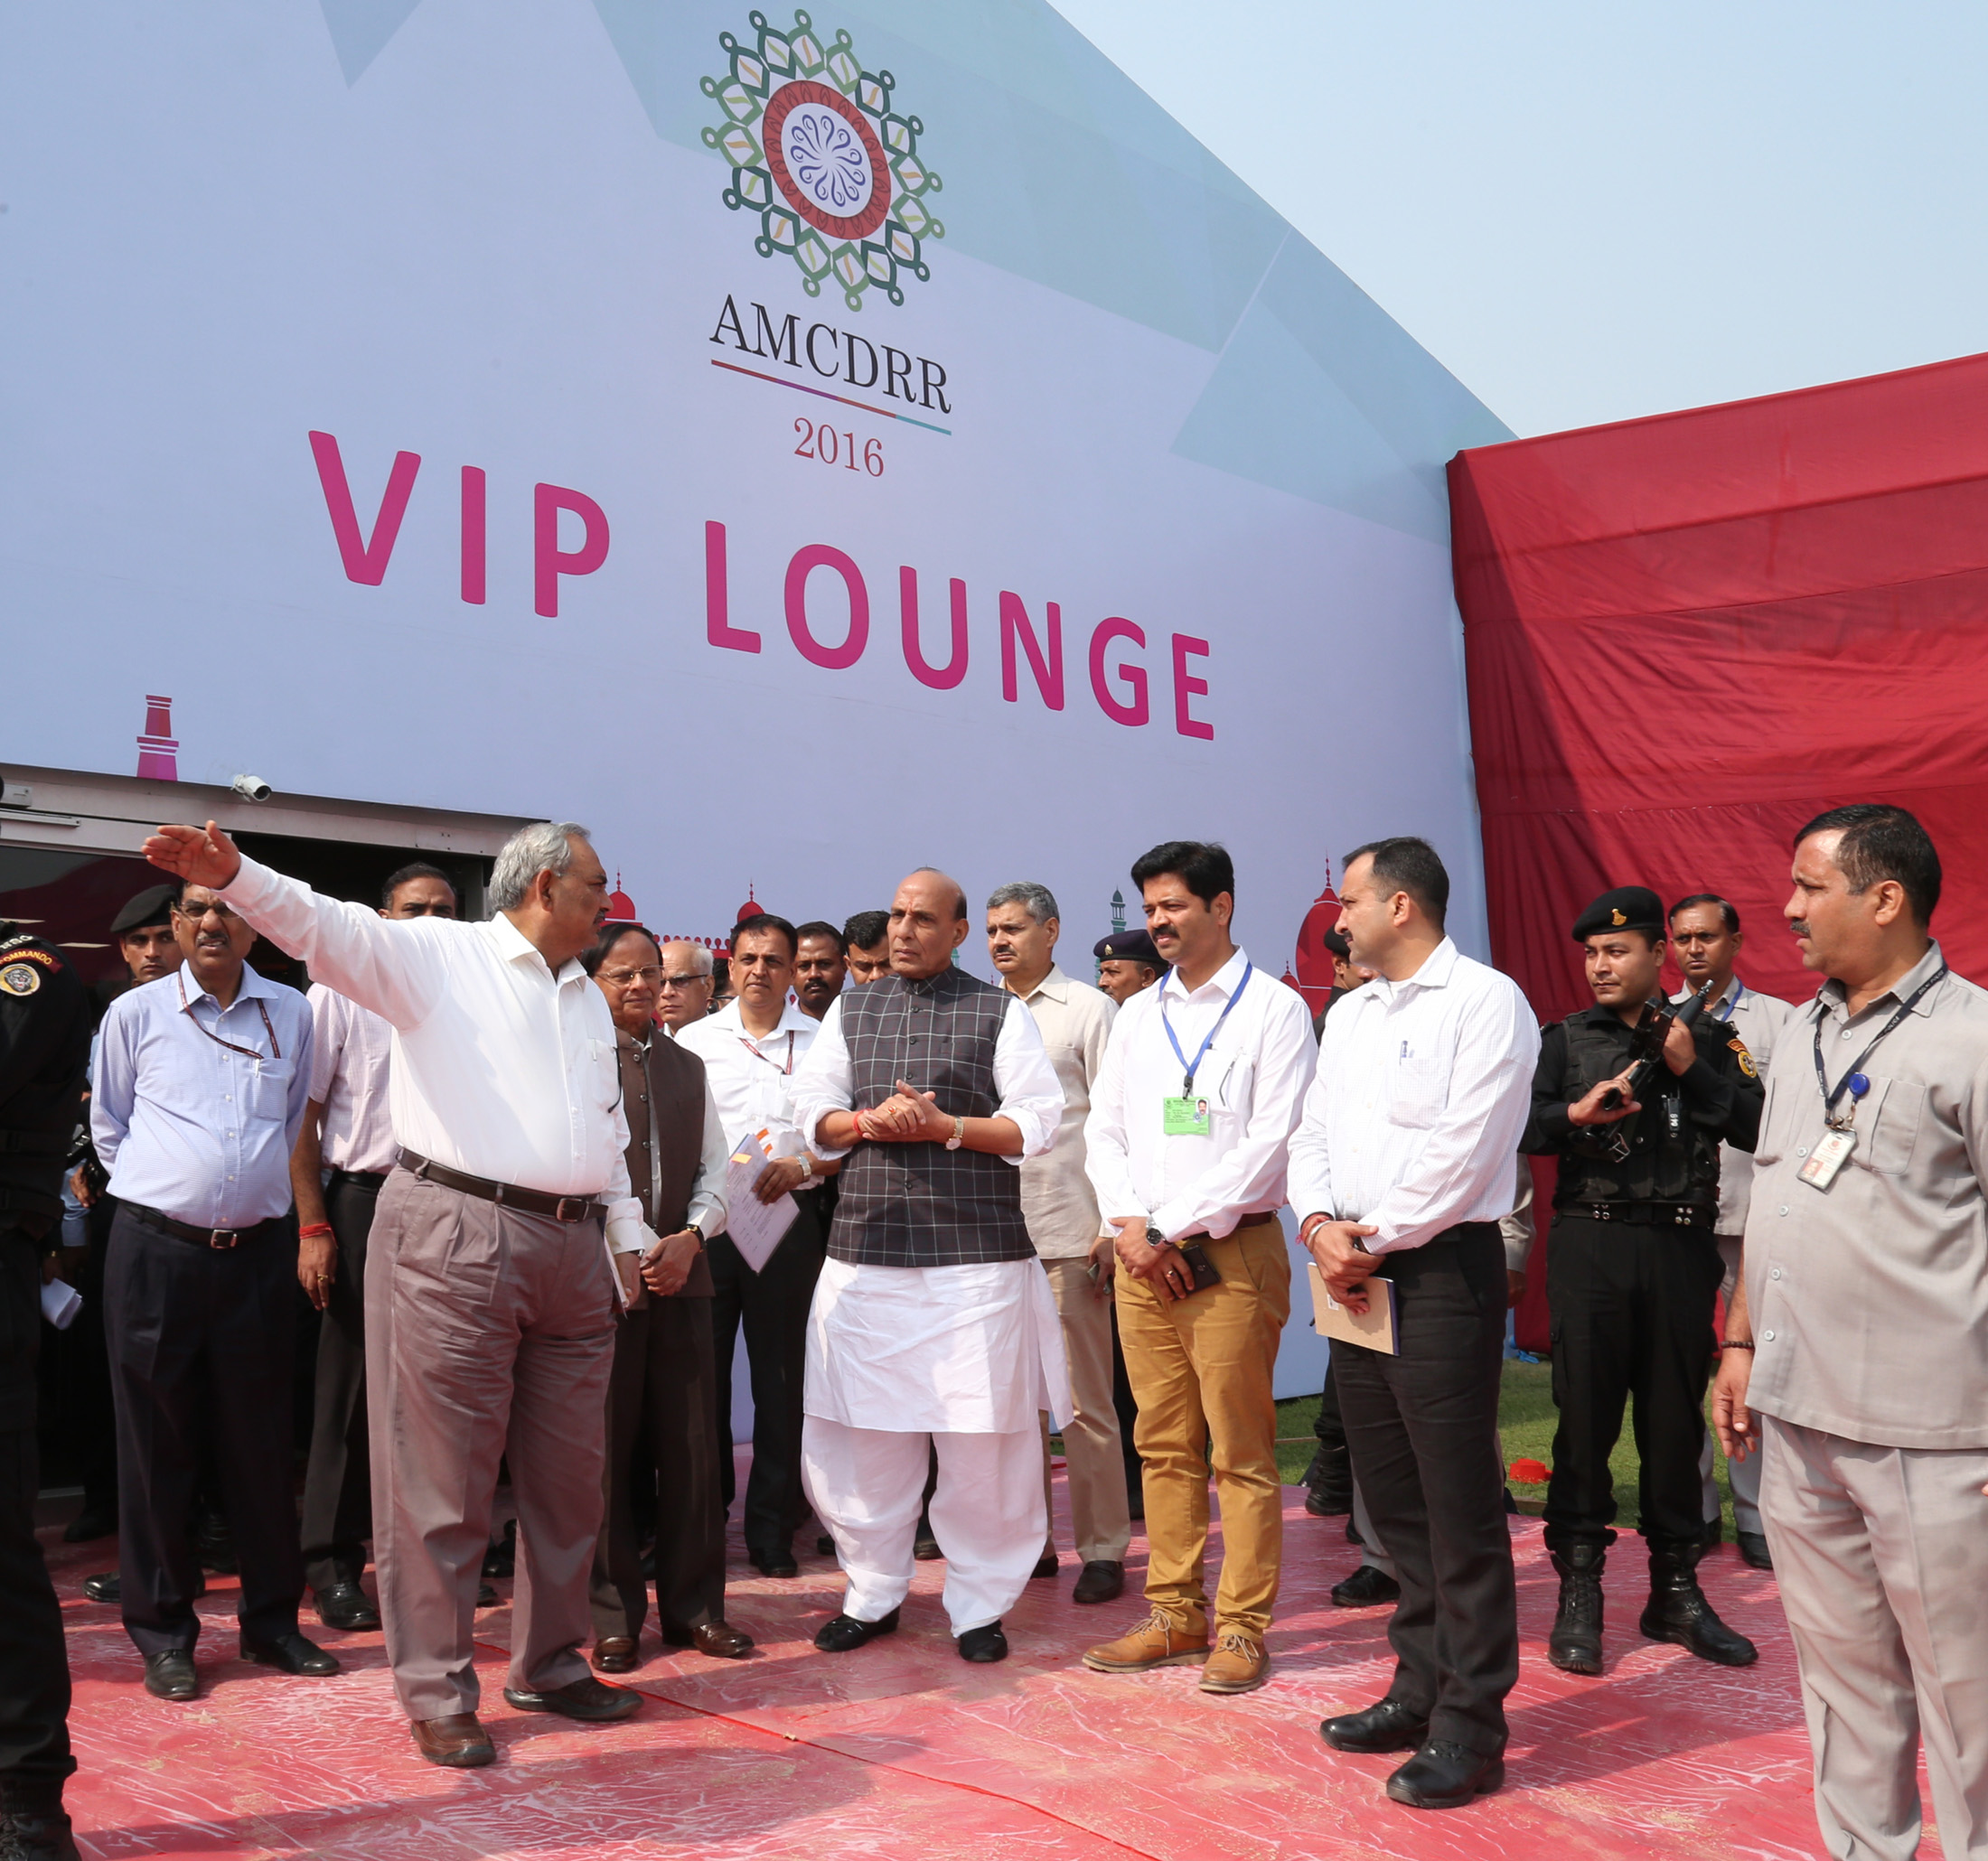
[{"x": 1592, "y": 211}]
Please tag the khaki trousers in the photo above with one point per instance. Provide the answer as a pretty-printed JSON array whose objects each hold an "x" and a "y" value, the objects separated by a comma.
[
  {"x": 1201, "y": 1368},
  {"x": 489, "y": 1334},
  {"x": 1881, "y": 1553},
  {"x": 1094, "y": 1454}
]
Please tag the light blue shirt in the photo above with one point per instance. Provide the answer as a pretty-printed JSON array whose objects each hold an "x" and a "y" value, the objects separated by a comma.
[{"x": 195, "y": 1109}]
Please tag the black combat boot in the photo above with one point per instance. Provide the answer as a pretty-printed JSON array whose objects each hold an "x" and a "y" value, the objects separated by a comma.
[
  {"x": 1678, "y": 1611},
  {"x": 32, "y": 1822},
  {"x": 1575, "y": 1644},
  {"x": 1328, "y": 1482}
]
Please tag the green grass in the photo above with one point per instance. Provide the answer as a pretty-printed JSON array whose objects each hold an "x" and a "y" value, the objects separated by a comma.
[{"x": 1525, "y": 1417}]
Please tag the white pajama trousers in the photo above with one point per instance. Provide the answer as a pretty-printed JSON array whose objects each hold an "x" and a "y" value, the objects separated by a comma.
[{"x": 987, "y": 1513}]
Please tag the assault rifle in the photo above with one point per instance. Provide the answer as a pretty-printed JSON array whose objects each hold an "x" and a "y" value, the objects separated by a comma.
[{"x": 1647, "y": 1044}]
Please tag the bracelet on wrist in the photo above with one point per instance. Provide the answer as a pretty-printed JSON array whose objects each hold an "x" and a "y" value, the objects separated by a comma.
[
  {"x": 316, "y": 1230},
  {"x": 1734, "y": 1345}
]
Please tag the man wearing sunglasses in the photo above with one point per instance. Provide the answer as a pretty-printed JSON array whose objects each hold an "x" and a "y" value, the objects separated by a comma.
[{"x": 683, "y": 990}]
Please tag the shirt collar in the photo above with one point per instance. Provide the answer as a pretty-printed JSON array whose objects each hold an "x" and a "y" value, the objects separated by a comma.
[
  {"x": 1056, "y": 985},
  {"x": 251, "y": 984},
  {"x": 1834, "y": 997},
  {"x": 792, "y": 1021},
  {"x": 1438, "y": 967},
  {"x": 512, "y": 943},
  {"x": 1223, "y": 983}
]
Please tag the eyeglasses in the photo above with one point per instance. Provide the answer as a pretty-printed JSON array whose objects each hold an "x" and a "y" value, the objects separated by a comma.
[
  {"x": 682, "y": 981},
  {"x": 651, "y": 973},
  {"x": 196, "y": 910}
]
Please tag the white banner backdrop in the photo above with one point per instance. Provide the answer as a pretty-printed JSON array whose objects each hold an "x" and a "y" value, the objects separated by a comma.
[{"x": 801, "y": 450}]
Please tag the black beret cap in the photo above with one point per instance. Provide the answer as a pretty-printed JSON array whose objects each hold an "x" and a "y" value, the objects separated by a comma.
[
  {"x": 1128, "y": 947},
  {"x": 1626, "y": 908},
  {"x": 153, "y": 905}
]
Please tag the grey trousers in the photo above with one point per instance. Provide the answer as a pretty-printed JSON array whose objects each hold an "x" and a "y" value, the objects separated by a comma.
[
  {"x": 489, "y": 1334},
  {"x": 1883, "y": 1558}
]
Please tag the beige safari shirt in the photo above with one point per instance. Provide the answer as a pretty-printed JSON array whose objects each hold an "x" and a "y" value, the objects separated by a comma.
[
  {"x": 1753, "y": 1020},
  {"x": 1870, "y": 1298},
  {"x": 1074, "y": 1021}
]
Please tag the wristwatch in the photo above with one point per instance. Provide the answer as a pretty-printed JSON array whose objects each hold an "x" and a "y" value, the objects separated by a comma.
[{"x": 959, "y": 1134}]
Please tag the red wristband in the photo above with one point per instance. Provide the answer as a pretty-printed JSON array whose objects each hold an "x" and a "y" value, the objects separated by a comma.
[
  {"x": 316, "y": 1230},
  {"x": 856, "y": 1116}
]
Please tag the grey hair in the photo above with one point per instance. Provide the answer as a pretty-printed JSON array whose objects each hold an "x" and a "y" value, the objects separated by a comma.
[
  {"x": 1038, "y": 901},
  {"x": 545, "y": 846},
  {"x": 706, "y": 964}
]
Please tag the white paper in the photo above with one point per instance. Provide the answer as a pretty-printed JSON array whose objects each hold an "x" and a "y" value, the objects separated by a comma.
[
  {"x": 61, "y": 1302},
  {"x": 756, "y": 1227}
]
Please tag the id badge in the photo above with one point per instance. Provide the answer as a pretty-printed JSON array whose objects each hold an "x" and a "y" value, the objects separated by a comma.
[
  {"x": 1827, "y": 1158},
  {"x": 1185, "y": 1117}
]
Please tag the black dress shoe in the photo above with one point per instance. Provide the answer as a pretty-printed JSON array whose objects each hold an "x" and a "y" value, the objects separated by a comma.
[
  {"x": 345, "y": 1605},
  {"x": 1367, "y": 1584},
  {"x": 824, "y": 1546},
  {"x": 107, "y": 1586},
  {"x": 1047, "y": 1564},
  {"x": 1753, "y": 1548},
  {"x": 592, "y": 1701},
  {"x": 840, "y": 1633},
  {"x": 1388, "y": 1726},
  {"x": 774, "y": 1562},
  {"x": 214, "y": 1542},
  {"x": 984, "y": 1644},
  {"x": 616, "y": 1654},
  {"x": 1101, "y": 1581},
  {"x": 487, "y": 1597},
  {"x": 501, "y": 1559},
  {"x": 171, "y": 1676},
  {"x": 33, "y": 1821},
  {"x": 290, "y": 1654},
  {"x": 90, "y": 1524},
  {"x": 925, "y": 1548},
  {"x": 1445, "y": 1776}
]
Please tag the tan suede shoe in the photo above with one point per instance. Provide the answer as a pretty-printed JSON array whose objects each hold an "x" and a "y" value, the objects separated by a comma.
[
  {"x": 1237, "y": 1664},
  {"x": 1155, "y": 1642}
]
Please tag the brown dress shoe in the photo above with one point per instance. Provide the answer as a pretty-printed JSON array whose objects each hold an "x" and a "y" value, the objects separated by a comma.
[
  {"x": 718, "y": 1639},
  {"x": 615, "y": 1654},
  {"x": 1155, "y": 1642},
  {"x": 1236, "y": 1664},
  {"x": 458, "y": 1742}
]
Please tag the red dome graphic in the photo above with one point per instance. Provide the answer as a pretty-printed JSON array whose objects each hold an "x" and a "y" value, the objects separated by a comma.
[
  {"x": 621, "y": 908},
  {"x": 1313, "y": 961},
  {"x": 752, "y": 908}
]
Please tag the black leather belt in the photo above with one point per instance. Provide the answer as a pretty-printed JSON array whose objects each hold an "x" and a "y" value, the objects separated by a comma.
[
  {"x": 362, "y": 1179},
  {"x": 1646, "y": 1214},
  {"x": 219, "y": 1238},
  {"x": 569, "y": 1208}
]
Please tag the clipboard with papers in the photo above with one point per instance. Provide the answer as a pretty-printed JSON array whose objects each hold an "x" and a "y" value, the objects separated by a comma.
[
  {"x": 756, "y": 1227},
  {"x": 1371, "y": 1330}
]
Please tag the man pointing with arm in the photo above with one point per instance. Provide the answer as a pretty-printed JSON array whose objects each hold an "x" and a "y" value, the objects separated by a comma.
[{"x": 490, "y": 1303}]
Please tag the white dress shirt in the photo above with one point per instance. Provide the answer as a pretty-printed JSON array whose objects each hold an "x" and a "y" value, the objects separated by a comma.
[
  {"x": 501, "y": 1068},
  {"x": 196, "y": 1107},
  {"x": 1253, "y": 1076},
  {"x": 1029, "y": 1092},
  {"x": 1422, "y": 1090},
  {"x": 1074, "y": 1021},
  {"x": 351, "y": 1061},
  {"x": 751, "y": 1079}
]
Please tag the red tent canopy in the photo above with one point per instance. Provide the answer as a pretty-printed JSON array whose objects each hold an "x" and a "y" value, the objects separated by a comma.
[{"x": 1686, "y": 635}]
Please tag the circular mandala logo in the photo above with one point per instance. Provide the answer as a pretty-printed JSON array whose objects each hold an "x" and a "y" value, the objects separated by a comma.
[{"x": 823, "y": 159}]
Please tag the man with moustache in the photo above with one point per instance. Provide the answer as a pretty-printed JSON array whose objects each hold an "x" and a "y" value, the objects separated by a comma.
[
  {"x": 1854, "y": 1352},
  {"x": 202, "y": 1080},
  {"x": 751, "y": 1049},
  {"x": 348, "y": 1130},
  {"x": 1126, "y": 963},
  {"x": 663, "y": 1395},
  {"x": 1632, "y": 1270},
  {"x": 933, "y": 1324},
  {"x": 490, "y": 1303},
  {"x": 821, "y": 969},
  {"x": 1074, "y": 1021},
  {"x": 867, "y": 938},
  {"x": 1706, "y": 939}
]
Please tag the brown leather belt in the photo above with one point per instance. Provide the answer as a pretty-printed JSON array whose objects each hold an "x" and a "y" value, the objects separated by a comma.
[
  {"x": 569, "y": 1208},
  {"x": 219, "y": 1238}
]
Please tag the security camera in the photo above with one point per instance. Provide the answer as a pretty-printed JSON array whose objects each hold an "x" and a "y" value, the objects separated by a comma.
[{"x": 251, "y": 788}]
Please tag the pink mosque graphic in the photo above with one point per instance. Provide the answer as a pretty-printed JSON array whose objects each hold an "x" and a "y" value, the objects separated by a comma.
[{"x": 158, "y": 748}]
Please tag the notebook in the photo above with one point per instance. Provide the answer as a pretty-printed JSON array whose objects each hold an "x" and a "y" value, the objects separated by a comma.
[{"x": 1373, "y": 1330}]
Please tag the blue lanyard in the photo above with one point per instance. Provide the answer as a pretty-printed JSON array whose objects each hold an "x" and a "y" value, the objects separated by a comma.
[
  {"x": 1200, "y": 1052},
  {"x": 1739, "y": 989}
]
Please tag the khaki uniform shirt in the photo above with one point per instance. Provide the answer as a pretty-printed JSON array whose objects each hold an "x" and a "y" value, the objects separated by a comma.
[
  {"x": 1755, "y": 1020},
  {"x": 1870, "y": 1298},
  {"x": 1074, "y": 1021}
]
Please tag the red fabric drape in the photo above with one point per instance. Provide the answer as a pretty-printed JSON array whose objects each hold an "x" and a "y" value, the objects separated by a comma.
[{"x": 1686, "y": 635}]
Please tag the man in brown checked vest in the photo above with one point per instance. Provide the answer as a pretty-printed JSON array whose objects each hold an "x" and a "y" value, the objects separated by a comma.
[{"x": 665, "y": 1366}]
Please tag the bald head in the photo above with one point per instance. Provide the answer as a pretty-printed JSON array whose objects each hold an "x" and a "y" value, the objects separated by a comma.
[{"x": 928, "y": 922}]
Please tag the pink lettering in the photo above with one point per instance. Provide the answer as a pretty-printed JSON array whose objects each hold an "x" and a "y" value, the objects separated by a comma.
[
  {"x": 717, "y": 605},
  {"x": 473, "y": 557},
  {"x": 365, "y": 561},
  {"x": 939, "y": 677},
  {"x": 1048, "y": 670},
  {"x": 835, "y": 658},
  {"x": 1136, "y": 711},
  {"x": 1187, "y": 687},
  {"x": 549, "y": 561}
]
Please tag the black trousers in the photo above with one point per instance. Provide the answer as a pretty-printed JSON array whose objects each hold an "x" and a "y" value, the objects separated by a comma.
[
  {"x": 663, "y": 1410},
  {"x": 773, "y": 1308},
  {"x": 33, "y": 1660},
  {"x": 1422, "y": 1428},
  {"x": 203, "y": 1335},
  {"x": 1126, "y": 1408},
  {"x": 1631, "y": 1309},
  {"x": 338, "y": 1478},
  {"x": 95, "y": 1417}
]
